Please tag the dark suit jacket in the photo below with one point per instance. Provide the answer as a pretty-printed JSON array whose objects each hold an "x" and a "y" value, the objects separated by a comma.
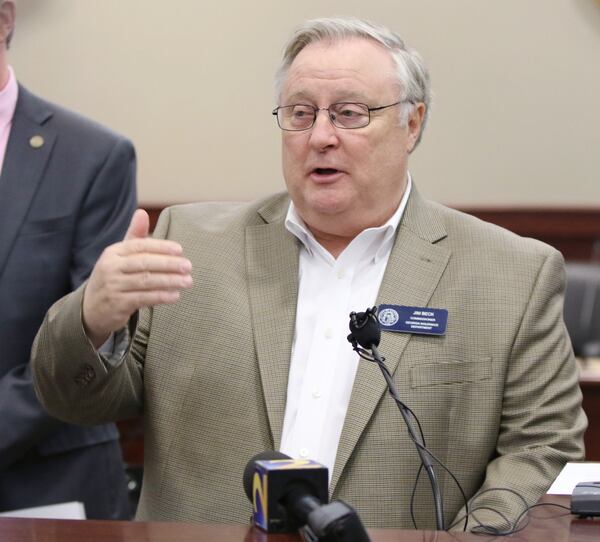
[
  {"x": 61, "y": 203},
  {"x": 497, "y": 395}
]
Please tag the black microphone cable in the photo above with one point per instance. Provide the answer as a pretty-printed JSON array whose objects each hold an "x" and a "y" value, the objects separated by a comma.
[
  {"x": 511, "y": 527},
  {"x": 365, "y": 330}
]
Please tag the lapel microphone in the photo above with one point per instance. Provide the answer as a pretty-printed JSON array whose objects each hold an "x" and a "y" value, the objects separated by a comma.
[
  {"x": 364, "y": 328},
  {"x": 365, "y": 331}
]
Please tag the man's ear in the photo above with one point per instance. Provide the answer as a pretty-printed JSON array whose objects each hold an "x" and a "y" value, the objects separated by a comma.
[
  {"x": 415, "y": 124},
  {"x": 7, "y": 21}
]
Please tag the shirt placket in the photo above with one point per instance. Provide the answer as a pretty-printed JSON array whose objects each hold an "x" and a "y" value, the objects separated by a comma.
[{"x": 319, "y": 382}]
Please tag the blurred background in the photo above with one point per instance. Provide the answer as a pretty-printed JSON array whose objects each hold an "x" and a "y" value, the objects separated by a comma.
[{"x": 515, "y": 120}]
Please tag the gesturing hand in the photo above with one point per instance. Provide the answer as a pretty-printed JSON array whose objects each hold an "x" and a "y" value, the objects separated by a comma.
[{"x": 137, "y": 272}]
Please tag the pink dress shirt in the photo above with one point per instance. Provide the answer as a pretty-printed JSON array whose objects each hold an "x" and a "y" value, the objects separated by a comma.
[{"x": 8, "y": 103}]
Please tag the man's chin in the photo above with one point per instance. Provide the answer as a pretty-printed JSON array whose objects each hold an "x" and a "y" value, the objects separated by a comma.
[
  {"x": 327, "y": 216},
  {"x": 328, "y": 208}
]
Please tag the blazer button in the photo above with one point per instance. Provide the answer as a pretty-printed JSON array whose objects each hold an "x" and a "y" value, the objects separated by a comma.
[
  {"x": 86, "y": 375},
  {"x": 89, "y": 373}
]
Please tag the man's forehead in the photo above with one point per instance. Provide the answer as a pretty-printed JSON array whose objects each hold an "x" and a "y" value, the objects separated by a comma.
[
  {"x": 351, "y": 53},
  {"x": 298, "y": 93},
  {"x": 356, "y": 66}
]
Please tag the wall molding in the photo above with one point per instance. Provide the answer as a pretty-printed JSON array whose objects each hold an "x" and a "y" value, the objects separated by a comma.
[{"x": 575, "y": 231}]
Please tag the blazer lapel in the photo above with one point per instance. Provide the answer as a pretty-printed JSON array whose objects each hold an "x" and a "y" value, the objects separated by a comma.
[
  {"x": 413, "y": 271},
  {"x": 24, "y": 164},
  {"x": 272, "y": 260}
]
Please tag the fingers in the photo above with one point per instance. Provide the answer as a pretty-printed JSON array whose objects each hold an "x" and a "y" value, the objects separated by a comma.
[
  {"x": 147, "y": 281},
  {"x": 136, "y": 239},
  {"x": 129, "y": 302},
  {"x": 154, "y": 263},
  {"x": 116, "y": 273},
  {"x": 138, "y": 245},
  {"x": 135, "y": 273},
  {"x": 139, "y": 227}
]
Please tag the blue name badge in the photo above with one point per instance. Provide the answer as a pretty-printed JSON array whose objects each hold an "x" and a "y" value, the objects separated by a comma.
[{"x": 421, "y": 320}]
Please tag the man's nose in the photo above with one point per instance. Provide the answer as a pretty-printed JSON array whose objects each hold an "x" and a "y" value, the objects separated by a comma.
[{"x": 323, "y": 133}]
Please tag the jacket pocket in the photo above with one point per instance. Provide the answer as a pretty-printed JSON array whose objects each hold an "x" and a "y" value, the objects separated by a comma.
[
  {"x": 47, "y": 225},
  {"x": 450, "y": 372}
]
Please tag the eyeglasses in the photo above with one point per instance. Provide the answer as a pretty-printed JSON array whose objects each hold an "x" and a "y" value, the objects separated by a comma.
[{"x": 346, "y": 115}]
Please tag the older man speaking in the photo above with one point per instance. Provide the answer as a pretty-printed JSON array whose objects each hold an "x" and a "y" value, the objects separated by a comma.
[{"x": 238, "y": 318}]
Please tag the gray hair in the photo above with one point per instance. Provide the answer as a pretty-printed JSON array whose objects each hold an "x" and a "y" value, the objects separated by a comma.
[{"x": 411, "y": 72}]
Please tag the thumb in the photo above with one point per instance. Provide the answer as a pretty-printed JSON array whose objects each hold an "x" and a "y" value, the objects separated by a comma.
[{"x": 139, "y": 226}]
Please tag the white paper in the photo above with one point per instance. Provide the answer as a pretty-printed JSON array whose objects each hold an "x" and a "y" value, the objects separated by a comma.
[
  {"x": 572, "y": 474},
  {"x": 66, "y": 510}
]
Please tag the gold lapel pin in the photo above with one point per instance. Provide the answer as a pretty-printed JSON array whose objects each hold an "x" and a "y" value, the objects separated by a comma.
[{"x": 36, "y": 141}]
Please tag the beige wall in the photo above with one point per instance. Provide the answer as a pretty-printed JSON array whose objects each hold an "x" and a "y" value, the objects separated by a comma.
[{"x": 516, "y": 118}]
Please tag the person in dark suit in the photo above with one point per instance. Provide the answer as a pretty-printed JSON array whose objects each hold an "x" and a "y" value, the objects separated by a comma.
[{"x": 67, "y": 190}]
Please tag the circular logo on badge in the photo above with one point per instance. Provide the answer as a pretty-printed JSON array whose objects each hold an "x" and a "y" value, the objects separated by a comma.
[{"x": 388, "y": 317}]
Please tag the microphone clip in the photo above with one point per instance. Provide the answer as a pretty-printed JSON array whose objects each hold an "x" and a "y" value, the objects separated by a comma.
[{"x": 365, "y": 331}]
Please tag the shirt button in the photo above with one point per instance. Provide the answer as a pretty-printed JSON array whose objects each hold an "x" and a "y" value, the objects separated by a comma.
[
  {"x": 303, "y": 453},
  {"x": 328, "y": 333},
  {"x": 341, "y": 274},
  {"x": 316, "y": 394}
]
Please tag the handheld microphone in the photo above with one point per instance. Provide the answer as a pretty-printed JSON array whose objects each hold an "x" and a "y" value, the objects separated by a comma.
[
  {"x": 289, "y": 494},
  {"x": 283, "y": 490}
]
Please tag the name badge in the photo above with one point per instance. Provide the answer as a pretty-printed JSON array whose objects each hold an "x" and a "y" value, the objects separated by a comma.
[{"x": 420, "y": 320}]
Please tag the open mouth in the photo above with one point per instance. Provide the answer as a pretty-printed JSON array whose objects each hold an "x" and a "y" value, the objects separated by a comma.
[{"x": 326, "y": 171}]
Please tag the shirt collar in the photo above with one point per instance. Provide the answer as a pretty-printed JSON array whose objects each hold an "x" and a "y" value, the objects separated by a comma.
[
  {"x": 384, "y": 234},
  {"x": 8, "y": 99}
]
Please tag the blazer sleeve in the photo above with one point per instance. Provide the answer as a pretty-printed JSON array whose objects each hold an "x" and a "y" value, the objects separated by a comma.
[
  {"x": 542, "y": 422},
  {"x": 72, "y": 380},
  {"x": 102, "y": 220}
]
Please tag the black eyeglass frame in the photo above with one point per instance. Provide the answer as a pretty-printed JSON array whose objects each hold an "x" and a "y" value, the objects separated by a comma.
[{"x": 275, "y": 112}]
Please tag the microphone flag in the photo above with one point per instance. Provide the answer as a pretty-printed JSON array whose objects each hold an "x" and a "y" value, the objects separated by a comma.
[{"x": 271, "y": 481}]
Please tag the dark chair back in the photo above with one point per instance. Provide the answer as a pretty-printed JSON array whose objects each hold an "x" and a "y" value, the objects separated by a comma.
[{"x": 582, "y": 308}]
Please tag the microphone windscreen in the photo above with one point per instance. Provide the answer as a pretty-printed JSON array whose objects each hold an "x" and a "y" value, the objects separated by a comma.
[
  {"x": 364, "y": 327},
  {"x": 250, "y": 467},
  {"x": 283, "y": 490}
]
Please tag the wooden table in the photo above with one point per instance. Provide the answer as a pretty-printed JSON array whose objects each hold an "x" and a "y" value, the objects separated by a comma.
[{"x": 547, "y": 524}]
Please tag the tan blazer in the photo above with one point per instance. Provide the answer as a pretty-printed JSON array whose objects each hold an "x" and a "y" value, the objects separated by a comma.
[{"x": 497, "y": 396}]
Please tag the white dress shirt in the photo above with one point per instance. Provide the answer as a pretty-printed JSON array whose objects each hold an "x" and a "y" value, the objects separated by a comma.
[{"x": 323, "y": 364}]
